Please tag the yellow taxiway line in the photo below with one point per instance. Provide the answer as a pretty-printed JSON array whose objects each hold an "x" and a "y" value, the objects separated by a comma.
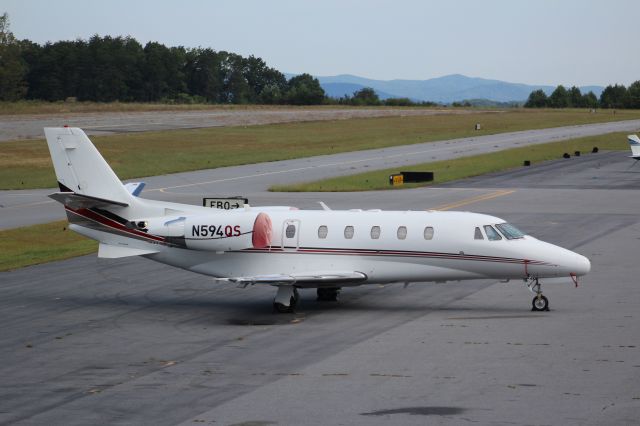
[{"x": 476, "y": 199}]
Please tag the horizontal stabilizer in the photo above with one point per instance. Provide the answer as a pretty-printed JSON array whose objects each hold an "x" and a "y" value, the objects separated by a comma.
[
  {"x": 79, "y": 201},
  {"x": 311, "y": 279},
  {"x": 113, "y": 252},
  {"x": 135, "y": 188}
]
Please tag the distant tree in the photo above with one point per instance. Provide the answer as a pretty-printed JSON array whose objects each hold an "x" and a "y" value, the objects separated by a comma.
[
  {"x": 614, "y": 97},
  {"x": 162, "y": 71},
  {"x": 13, "y": 69},
  {"x": 589, "y": 100},
  {"x": 203, "y": 74},
  {"x": 537, "y": 99},
  {"x": 236, "y": 88},
  {"x": 633, "y": 95},
  {"x": 574, "y": 98},
  {"x": 399, "y": 102},
  {"x": 303, "y": 89},
  {"x": 365, "y": 96},
  {"x": 559, "y": 98},
  {"x": 260, "y": 77}
]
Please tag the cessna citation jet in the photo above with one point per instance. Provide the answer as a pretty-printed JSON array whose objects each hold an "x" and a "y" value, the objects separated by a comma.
[{"x": 292, "y": 249}]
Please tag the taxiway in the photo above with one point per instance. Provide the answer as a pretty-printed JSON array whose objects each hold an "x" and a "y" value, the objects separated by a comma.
[{"x": 94, "y": 341}]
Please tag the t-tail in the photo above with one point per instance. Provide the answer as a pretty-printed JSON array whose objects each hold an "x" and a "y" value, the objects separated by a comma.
[
  {"x": 97, "y": 204},
  {"x": 634, "y": 143}
]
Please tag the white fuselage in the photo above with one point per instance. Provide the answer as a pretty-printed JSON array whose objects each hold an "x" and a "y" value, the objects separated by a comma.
[{"x": 387, "y": 246}]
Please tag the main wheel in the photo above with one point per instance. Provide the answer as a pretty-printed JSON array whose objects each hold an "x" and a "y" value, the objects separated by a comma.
[
  {"x": 282, "y": 309},
  {"x": 540, "y": 303},
  {"x": 328, "y": 294}
]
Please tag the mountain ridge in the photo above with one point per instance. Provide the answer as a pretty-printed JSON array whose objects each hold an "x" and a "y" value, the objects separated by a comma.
[{"x": 446, "y": 89}]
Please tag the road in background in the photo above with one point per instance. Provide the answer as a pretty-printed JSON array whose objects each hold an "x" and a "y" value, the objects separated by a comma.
[{"x": 14, "y": 127}]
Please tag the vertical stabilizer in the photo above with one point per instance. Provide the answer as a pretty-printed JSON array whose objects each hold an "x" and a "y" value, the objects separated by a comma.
[
  {"x": 80, "y": 167},
  {"x": 634, "y": 142}
]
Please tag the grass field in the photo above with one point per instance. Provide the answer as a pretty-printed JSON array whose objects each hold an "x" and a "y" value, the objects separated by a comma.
[
  {"x": 26, "y": 164},
  {"x": 448, "y": 170},
  {"x": 36, "y": 244}
]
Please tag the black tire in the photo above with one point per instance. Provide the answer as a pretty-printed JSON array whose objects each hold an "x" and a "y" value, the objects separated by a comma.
[
  {"x": 328, "y": 294},
  {"x": 540, "y": 303},
  {"x": 282, "y": 309}
]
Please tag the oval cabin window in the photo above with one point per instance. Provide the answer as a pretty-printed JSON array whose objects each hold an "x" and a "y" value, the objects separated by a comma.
[
  {"x": 402, "y": 232},
  {"x": 428, "y": 233},
  {"x": 290, "y": 232},
  {"x": 348, "y": 232},
  {"x": 375, "y": 232},
  {"x": 322, "y": 232}
]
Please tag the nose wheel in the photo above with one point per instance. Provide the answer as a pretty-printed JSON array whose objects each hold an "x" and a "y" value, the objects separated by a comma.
[{"x": 539, "y": 302}]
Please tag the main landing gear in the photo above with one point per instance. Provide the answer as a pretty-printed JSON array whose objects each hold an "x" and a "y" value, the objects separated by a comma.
[
  {"x": 286, "y": 299},
  {"x": 539, "y": 302},
  {"x": 328, "y": 294}
]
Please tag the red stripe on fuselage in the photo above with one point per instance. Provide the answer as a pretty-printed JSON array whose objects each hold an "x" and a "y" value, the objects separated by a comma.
[
  {"x": 110, "y": 223},
  {"x": 394, "y": 253}
]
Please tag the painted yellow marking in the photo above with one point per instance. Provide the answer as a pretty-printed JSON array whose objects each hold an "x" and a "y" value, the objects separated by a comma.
[{"x": 476, "y": 199}]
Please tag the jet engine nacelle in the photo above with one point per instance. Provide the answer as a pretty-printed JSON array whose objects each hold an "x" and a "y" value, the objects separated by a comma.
[{"x": 216, "y": 232}]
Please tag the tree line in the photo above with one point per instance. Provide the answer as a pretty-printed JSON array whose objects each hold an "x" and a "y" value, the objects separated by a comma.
[
  {"x": 616, "y": 96},
  {"x": 367, "y": 96},
  {"x": 105, "y": 69}
]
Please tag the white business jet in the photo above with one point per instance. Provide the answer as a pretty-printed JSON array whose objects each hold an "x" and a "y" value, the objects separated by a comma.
[
  {"x": 290, "y": 248},
  {"x": 634, "y": 143}
]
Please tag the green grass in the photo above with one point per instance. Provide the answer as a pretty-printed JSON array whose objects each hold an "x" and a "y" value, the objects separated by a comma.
[
  {"x": 31, "y": 245},
  {"x": 26, "y": 164},
  {"x": 460, "y": 168}
]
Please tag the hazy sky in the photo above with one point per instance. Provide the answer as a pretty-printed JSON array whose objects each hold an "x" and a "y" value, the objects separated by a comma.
[{"x": 536, "y": 42}]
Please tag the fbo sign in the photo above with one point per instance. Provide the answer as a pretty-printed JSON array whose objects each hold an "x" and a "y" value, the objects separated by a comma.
[{"x": 225, "y": 203}]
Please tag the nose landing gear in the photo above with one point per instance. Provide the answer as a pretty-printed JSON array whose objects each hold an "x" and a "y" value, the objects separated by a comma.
[{"x": 539, "y": 302}]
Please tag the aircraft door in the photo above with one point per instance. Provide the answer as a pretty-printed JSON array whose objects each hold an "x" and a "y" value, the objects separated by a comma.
[{"x": 291, "y": 234}]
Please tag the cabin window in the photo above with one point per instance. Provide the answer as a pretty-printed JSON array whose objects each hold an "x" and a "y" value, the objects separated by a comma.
[
  {"x": 323, "y": 231},
  {"x": 375, "y": 232},
  {"x": 348, "y": 232},
  {"x": 290, "y": 232},
  {"x": 510, "y": 231},
  {"x": 402, "y": 232},
  {"x": 478, "y": 234},
  {"x": 428, "y": 233},
  {"x": 492, "y": 234}
]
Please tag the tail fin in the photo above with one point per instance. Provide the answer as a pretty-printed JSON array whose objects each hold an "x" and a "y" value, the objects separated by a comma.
[
  {"x": 80, "y": 168},
  {"x": 634, "y": 142}
]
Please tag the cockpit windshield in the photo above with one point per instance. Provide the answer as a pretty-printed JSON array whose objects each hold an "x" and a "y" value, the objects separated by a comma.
[{"x": 509, "y": 231}]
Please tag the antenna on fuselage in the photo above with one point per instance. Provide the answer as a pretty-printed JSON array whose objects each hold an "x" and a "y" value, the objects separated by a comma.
[{"x": 323, "y": 205}]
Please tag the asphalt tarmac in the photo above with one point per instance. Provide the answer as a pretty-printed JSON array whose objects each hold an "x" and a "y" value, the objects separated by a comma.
[
  {"x": 94, "y": 341},
  {"x": 22, "y": 208}
]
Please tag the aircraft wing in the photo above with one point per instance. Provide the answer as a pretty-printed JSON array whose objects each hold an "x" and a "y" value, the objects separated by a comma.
[{"x": 308, "y": 279}]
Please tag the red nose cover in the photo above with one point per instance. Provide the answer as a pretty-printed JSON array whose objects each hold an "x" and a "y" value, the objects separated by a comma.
[{"x": 261, "y": 231}]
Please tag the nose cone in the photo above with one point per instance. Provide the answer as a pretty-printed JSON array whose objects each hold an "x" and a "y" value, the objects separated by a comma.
[{"x": 579, "y": 265}]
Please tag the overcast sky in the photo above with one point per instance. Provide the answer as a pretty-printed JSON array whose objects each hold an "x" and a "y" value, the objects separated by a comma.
[{"x": 536, "y": 42}]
